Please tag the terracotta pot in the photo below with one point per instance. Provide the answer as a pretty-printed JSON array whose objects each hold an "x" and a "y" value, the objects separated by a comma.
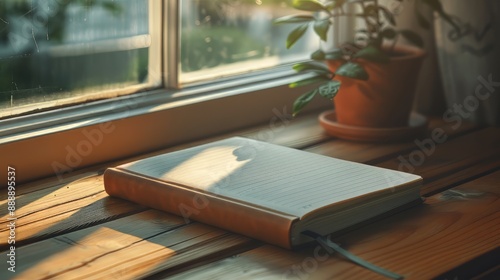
[{"x": 385, "y": 100}]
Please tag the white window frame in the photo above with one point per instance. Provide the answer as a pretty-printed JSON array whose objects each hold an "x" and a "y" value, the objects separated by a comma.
[{"x": 56, "y": 142}]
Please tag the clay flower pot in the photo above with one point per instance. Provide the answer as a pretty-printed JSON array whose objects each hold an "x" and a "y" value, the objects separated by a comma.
[{"x": 385, "y": 99}]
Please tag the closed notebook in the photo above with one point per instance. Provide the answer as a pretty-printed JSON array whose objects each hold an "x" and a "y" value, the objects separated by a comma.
[{"x": 264, "y": 191}]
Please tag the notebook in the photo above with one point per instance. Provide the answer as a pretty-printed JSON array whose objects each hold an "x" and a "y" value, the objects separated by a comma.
[{"x": 261, "y": 190}]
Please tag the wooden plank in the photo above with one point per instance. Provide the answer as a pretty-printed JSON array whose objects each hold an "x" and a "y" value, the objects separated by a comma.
[
  {"x": 450, "y": 158},
  {"x": 296, "y": 133},
  {"x": 299, "y": 132},
  {"x": 208, "y": 254},
  {"x": 41, "y": 227},
  {"x": 473, "y": 152},
  {"x": 41, "y": 184},
  {"x": 62, "y": 209},
  {"x": 166, "y": 253},
  {"x": 474, "y": 269},
  {"x": 49, "y": 211},
  {"x": 486, "y": 166},
  {"x": 49, "y": 206},
  {"x": 77, "y": 247},
  {"x": 484, "y": 140},
  {"x": 420, "y": 243},
  {"x": 372, "y": 153},
  {"x": 51, "y": 196},
  {"x": 135, "y": 245}
]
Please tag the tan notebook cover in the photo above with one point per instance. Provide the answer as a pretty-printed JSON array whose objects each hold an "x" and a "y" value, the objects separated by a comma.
[{"x": 259, "y": 189}]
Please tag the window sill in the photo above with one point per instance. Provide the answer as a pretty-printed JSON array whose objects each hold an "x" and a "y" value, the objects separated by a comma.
[{"x": 57, "y": 142}]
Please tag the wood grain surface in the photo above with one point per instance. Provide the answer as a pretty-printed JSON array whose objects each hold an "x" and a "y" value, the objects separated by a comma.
[
  {"x": 71, "y": 229},
  {"x": 420, "y": 243}
]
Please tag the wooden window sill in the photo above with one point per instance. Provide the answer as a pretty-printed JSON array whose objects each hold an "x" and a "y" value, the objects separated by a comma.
[{"x": 73, "y": 228}]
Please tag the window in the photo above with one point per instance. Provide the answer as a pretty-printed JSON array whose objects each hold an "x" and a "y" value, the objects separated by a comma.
[
  {"x": 141, "y": 46},
  {"x": 227, "y": 37},
  {"x": 59, "y": 52}
]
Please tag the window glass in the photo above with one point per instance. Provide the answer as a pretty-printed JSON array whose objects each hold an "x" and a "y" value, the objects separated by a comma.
[
  {"x": 52, "y": 50},
  {"x": 59, "y": 52},
  {"x": 226, "y": 37}
]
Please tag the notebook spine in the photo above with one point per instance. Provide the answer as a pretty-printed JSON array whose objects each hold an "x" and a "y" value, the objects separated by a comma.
[{"x": 211, "y": 209}]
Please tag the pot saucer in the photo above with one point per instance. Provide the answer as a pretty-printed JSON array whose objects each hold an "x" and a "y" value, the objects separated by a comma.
[{"x": 417, "y": 126}]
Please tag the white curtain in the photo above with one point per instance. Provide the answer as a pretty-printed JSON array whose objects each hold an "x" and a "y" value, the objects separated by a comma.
[
  {"x": 457, "y": 63},
  {"x": 469, "y": 59}
]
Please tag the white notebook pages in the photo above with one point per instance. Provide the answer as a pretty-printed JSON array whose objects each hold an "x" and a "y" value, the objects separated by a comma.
[{"x": 280, "y": 178}]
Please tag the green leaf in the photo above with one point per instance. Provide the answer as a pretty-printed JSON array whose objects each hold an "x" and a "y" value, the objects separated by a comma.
[
  {"x": 295, "y": 35},
  {"x": 388, "y": 15},
  {"x": 294, "y": 19},
  {"x": 334, "y": 54},
  {"x": 311, "y": 65},
  {"x": 371, "y": 11},
  {"x": 335, "y": 4},
  {"x": 321, "y": 28},
  {"x": 372, "y": 53},
  {"x": 372, "y": 18},
  {"x": 388, "y": 33},
  {"x": 308, "y": 81},
  {"x": 308, "y": 5},
  {"x": 352, "y": 70},
  {"x": 413, "y": 38},
  {"x": 303, "y": 100},
  {"x": 330, "y": 89},
  {"x": 318, "y": 55}
]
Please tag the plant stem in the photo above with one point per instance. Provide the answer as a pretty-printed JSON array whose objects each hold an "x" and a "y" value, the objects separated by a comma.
[
  {"x": 378, "y": 18},
  {"x": 391, "y": 49},
  {"x": 370, "y": 33}
]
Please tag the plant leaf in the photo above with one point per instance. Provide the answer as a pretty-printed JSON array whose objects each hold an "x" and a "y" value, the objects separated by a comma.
[
  {"x": 308, "y": 5},
  {"x": 318, "y": 55},
  {"x": 303, "y": 100},
  {"x": 311, "y": 80},
  {"x": 335, "y": 4},
  {"x": 372, "y": 53},
  {"x": 388, "y": 33},
  {"x": 334, "y": 54},
  {"x": 330, "y": 89},
  {"x": 413, "y": 38},
  {"x": 321, "y": 28},
  {"x": 295, "y": 35},
  {"x": 311, "y": 65},
  {"x": 388, "y": 15},
  {"x": 371, "y": 11},
  {"x": 352, "y": 70},
  {"x": 293, "y": 19}
]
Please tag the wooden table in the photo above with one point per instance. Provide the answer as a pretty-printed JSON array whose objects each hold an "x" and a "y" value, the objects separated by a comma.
[{"x": 74, "y": 230}]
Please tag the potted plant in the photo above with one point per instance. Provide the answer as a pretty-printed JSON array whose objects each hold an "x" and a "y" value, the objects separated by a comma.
[{"x": 371, "y": 79}]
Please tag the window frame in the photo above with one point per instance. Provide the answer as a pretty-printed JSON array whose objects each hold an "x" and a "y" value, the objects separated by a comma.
[
  {"x": 57, "y": 142},
  {"x": 153, "y": 40}
]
